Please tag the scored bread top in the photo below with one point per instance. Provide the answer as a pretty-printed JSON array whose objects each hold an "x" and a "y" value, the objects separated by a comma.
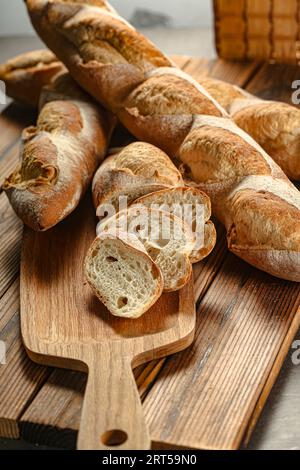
[
  {"x": 138, "y": 169},
  {"x": 273, "y": 124},
  {"x": 276, "y": 127},
  {"x": 26, "y": 74},
  {"x": 59, "y": 157}
]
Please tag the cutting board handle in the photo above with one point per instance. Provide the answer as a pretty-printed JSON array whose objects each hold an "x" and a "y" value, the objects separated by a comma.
[{"x": 112, "y": 415}]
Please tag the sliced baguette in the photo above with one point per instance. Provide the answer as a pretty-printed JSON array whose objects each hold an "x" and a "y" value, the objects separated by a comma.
[
  {"x": 122, "y": 275},
  {"x": 139, "y": 169},
  {"x": 166, "y": 238},
  {"x": 194, "y": 207}
]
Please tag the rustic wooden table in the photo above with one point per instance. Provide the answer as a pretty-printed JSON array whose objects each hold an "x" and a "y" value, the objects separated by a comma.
[{"x": 42, "y": 405}]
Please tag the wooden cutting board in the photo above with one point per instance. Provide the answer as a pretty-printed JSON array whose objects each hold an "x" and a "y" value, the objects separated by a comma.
[{"x": 63, "y": 324}]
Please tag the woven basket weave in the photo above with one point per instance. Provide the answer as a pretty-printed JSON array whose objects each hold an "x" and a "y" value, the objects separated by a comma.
[{"x": 258, "y": 29}]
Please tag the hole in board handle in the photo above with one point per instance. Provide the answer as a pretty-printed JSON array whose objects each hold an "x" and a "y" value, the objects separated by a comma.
[{"x": 114, "y": 437}]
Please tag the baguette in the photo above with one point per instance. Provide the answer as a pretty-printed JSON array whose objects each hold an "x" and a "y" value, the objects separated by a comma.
[
  {"x": 139, "y": 169},
  {"x": 164, "y": 106},
  {"x": 58, "y": 159},
  {"x": 122, "y": 275},
  {"x": 274, "y": 125},
  {"x": 26, "y": 75}
]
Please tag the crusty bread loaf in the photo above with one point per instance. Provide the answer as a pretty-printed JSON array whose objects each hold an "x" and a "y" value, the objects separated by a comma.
[
  {"x": 191, "y": 205},
  {"x": 122, "y": 275},
  {"x": 256, "y": 202},
  {"x": 139, "y": 169},
  {"x": 164, "y": 106},
  {"x": 166, "y": 238},
  {"x": 274, "y": 125},
  {"x": 58, "y": 159},
  {"x": 26, "y": 74},
  {"x": 62, "y": 87}
]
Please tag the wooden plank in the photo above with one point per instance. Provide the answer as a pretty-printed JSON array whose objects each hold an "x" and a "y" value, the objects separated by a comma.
[
  {"x": 238, "y": 73},
  {"x": 205, "y": 272},
  {"x": 243, "y": 322},
  {"x": 9, "y": 161},
  {"x": 20, "y": 378},
  {"x": 278, "y": 425},
  {"x": 12, "y": 120},
  {"x": 35, "y": 425},
  {"x": 10, "y": 243},
  {"x": 274, "y": 82}
]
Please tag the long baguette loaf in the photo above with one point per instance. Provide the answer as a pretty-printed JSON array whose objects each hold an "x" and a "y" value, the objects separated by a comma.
[
  {"x": 160, "y": 104},
  {"x": 25, "y": 75},
  {"x": 58, "y": 159},
  {"x": 274, "y": 125}
]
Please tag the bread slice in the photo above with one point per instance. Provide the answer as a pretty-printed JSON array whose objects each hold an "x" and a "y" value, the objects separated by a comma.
[
  {"x": 122, "y": 275},
  {"x": 191, "y": 205},
  {"x": 166, "y": 238},
  {"x": 139, "y": 169}
]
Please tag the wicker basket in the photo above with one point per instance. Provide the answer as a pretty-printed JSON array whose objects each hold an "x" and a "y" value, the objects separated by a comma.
[{"x": 258, "y": 29}]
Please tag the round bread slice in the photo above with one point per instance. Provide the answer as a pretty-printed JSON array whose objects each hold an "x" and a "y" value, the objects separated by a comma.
[
  {"x": 191, "y": 205},
  {"x": 166, "y": 238},
  {"x": 123, "y": 276}
]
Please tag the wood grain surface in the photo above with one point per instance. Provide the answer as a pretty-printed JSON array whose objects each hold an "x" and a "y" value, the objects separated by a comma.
[{"x": 50, "y": 400}]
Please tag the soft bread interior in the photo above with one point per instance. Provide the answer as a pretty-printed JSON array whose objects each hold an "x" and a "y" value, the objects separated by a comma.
[
  {"x": 124, "y": 278},
  {"x": 166, "y": 238}
]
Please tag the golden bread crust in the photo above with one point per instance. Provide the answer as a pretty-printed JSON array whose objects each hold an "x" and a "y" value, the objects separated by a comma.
[
  {"x": 131, "y": 77},
  {"x": 26, "y": 74}
]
